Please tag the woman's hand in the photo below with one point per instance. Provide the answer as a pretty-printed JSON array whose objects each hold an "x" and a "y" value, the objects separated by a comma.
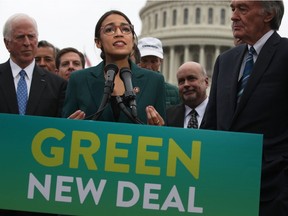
[
  {"x": 153, "y": 117},
  {"x": 77, "y": 115}
]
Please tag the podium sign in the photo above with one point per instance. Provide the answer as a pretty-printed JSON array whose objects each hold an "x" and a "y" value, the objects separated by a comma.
[{"x": 79, "y": 167}]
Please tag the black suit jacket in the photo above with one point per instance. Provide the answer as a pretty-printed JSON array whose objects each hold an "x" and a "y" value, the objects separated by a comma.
[
  {"x": 262, "y": 109},
  {"x": 46, "y": 97},
  {"x": 264, "y": 103},
  {"x": 175, "y": 115}
]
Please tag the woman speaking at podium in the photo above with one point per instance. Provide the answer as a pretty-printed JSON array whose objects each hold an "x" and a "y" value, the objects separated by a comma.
[{"x": 116, "y": 90}]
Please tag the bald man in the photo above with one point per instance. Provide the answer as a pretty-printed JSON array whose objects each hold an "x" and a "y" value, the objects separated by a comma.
[{"x": 192, "y": 84}]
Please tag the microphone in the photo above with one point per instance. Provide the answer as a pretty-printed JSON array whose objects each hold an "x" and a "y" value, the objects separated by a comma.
[
  {"x": 125, "y": 75},
  {"x": 126, "y": 112},
  {"x": 111, "y": 71}
]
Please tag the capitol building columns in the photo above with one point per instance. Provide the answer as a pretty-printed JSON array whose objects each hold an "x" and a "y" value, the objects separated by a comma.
[
  {"x": 171, "y": 65},
  {"x": 187, "y": 54},
  {"x": 202, "y": 55},
  {"x": 189, "y": 30}
]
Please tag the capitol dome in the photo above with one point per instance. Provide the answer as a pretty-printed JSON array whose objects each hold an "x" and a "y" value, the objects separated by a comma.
[{"x": 193, "y": 30}]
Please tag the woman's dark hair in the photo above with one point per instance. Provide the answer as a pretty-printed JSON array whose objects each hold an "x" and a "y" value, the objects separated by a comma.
[{"x": 100, "y": 21}]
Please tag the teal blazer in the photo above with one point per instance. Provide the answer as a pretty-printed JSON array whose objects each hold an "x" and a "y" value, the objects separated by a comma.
[{"x": 85, "y": 91}]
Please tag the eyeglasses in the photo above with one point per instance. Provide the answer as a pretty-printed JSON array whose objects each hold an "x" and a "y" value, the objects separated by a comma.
[{"x": 111, "y": 29}]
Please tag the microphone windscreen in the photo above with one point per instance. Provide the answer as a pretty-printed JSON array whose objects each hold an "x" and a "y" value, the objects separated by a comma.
[{"x": 113, "y": 67}]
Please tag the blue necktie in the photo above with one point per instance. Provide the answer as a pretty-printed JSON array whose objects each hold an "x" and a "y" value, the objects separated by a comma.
[
  {"x": 22, "y": 94},
  {"x": 246, "y": 73}
]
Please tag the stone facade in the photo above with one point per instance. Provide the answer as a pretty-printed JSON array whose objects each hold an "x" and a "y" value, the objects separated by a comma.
[{"x": 197, "y": 30}]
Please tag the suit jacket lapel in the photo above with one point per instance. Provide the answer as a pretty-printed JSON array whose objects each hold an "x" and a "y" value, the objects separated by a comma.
[
  {"x": 180, "y": 111},
  {"x": 138, "y": 81},
  {"x": 96, "y": 82},
  {"x": 227, "y": 68},
  {"x": 38, "y": 85},
  {"x": 263, "y": 60},
  {"x": 238, "y": 58},
  {"x": 260, "y": 66},
  {"x": 230, "y": 78},
  {"x": 8, "y": 88}
]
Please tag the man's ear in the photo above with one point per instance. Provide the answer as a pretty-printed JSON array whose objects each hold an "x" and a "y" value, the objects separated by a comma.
[
  {"x": 269, "y": 17},
  {"x": 6, "y": 42}
]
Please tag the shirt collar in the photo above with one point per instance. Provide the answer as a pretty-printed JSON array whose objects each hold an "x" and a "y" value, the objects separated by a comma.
[
  {"x": 16, "y": 69},
  {"x": 260, "y": 43},
  {"x": 200, "y": 109}
]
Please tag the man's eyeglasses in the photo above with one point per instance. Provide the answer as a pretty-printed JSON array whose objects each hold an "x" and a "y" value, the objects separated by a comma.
[{"x": 111, "y": 29}]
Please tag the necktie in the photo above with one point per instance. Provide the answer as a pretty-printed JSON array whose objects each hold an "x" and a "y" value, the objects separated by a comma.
[
  {"x": 246, "y": 73},
  {"x": 22, "y": 93},
  {"x": 193, "y": 122}
]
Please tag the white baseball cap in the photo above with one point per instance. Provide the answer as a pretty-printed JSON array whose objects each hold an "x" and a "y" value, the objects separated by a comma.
[{"x": 150, "y": 46}]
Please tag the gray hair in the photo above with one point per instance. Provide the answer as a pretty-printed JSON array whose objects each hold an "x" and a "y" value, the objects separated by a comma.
[
  {"x": 278, "y": 8},
  {"x": 7, "y": 29},
  {"x": 44, "y": 43}
]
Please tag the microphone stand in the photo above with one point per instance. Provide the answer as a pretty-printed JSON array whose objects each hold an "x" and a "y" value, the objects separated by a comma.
[
  {"x": 130, "y": 96},
  {"x": 122, "y": 106},
  {"x": 108, "y": 89},
  {"x": 111, "y": 71}
]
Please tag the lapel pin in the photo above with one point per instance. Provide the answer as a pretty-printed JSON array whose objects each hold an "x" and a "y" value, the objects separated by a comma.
[{"x": 136, "y": 90}]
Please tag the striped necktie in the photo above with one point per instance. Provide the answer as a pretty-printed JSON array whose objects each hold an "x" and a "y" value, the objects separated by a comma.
[
  {"x": 249, "y": 62},
  {"x": 193, "y": 122},
  {"x": 22, "y": 94}
]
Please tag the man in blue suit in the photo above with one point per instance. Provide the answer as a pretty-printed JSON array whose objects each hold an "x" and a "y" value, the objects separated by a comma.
[{"x": 263, "y": 105}]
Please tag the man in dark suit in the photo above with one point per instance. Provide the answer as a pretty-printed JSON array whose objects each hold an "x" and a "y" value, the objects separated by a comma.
[
  {"x": 46, "y": 55},
  {"x": 44, "y": 91},
  {"x": 192, "y": 85},
  {"x": 263, "y": 105}
]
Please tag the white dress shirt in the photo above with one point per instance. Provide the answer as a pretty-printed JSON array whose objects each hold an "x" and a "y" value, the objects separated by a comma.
[
  {"x": 200, "y": 109},
  {"x": 29, "y": 71}
]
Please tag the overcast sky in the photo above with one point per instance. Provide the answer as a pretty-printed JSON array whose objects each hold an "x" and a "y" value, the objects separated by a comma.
[{"x": 72, "y": 23}]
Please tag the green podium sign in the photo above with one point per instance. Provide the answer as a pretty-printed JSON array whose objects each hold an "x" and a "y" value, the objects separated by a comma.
[{"x": 79, "y": 167}]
